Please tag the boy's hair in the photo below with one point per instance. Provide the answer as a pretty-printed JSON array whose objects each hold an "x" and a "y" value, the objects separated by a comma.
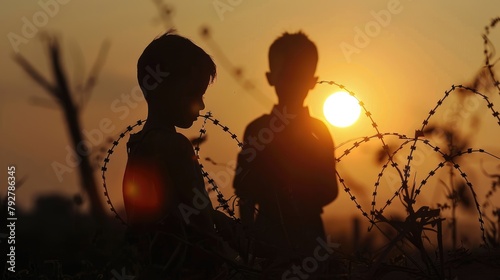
[
  {"x": 176, "y": 55},
  {"x": 294, "y": 51}
]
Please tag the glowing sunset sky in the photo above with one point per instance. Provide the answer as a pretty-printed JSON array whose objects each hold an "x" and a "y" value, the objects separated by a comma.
[{"x": 398, "y": 56}]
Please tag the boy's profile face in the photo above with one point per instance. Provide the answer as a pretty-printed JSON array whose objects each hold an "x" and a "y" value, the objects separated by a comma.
[{"x": 183, "y": 100}]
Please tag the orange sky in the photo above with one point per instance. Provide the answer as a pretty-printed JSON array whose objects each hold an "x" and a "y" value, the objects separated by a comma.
[{"x": 413, "y": 51}]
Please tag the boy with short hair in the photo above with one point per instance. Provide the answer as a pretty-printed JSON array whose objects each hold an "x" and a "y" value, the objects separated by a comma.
[
  {"x": 288, "y": 166},
  {"x": 163, "y": 188}
]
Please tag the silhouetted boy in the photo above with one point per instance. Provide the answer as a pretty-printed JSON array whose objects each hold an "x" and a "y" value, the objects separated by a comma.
[
  {"x": 287, "y": 168},
  {"x": 167, "y": 206}
]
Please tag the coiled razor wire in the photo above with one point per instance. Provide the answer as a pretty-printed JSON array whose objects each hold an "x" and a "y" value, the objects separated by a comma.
[
  {"x": 404, "y": 176},
  {"x": 223, "y": 203},
  {"x": 104, "y": 168},
  {"x": 411, "y": 197}
]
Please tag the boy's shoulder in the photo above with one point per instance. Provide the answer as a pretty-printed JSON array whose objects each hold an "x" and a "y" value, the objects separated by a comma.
[
  {"x": 268, "y": 120},
  {"x": 318, "y": 124},
  {"x": 306, "y": 124},
  {"x": 160, "y": 141},
  {"x": 259, "y": 122},
  {"x": 320, "y": 130}
]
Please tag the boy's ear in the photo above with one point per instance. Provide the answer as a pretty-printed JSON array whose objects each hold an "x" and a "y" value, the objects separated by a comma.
[{"x": 270, "y": 79}]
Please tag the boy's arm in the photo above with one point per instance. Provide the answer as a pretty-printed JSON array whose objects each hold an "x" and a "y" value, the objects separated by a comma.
[
  {"x": 247, "y": 211},
  {"x": 324, "y": 170},
  {"x": 192, "y": 201},
  {"x": 146, "y": 192},
  {"x": 245, "y": 182}
]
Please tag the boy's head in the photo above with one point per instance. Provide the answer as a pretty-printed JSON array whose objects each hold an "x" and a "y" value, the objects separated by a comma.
[
  {"x": 173, "y": 74},
  {"x": 292, "y": 63}
]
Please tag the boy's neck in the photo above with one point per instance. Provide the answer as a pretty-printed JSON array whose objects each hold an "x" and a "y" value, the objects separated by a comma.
[
  {"x": 291, "y": 107},
  {"x": 158, "y": 121}
]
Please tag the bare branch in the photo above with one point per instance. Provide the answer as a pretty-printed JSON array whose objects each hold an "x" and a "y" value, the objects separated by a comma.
[
  {"x": 78, "y": 73},
  {"x": 94, "y": 72},
  {"x": 35, "y": 75},
  {"x": 58, "y": 72}
]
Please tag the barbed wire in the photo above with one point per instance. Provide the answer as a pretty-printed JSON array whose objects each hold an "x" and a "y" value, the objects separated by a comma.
[
  {"x": 410, "y": 197},
  {"x": 104, "y": 168},
  {"x": 223, "y": 203},
  {"x": 379, "y": 135},
  {"x": 403, "y": 175}
]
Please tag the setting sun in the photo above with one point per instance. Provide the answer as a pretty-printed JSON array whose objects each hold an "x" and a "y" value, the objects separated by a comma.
[{"x": 341, "y": 109}]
